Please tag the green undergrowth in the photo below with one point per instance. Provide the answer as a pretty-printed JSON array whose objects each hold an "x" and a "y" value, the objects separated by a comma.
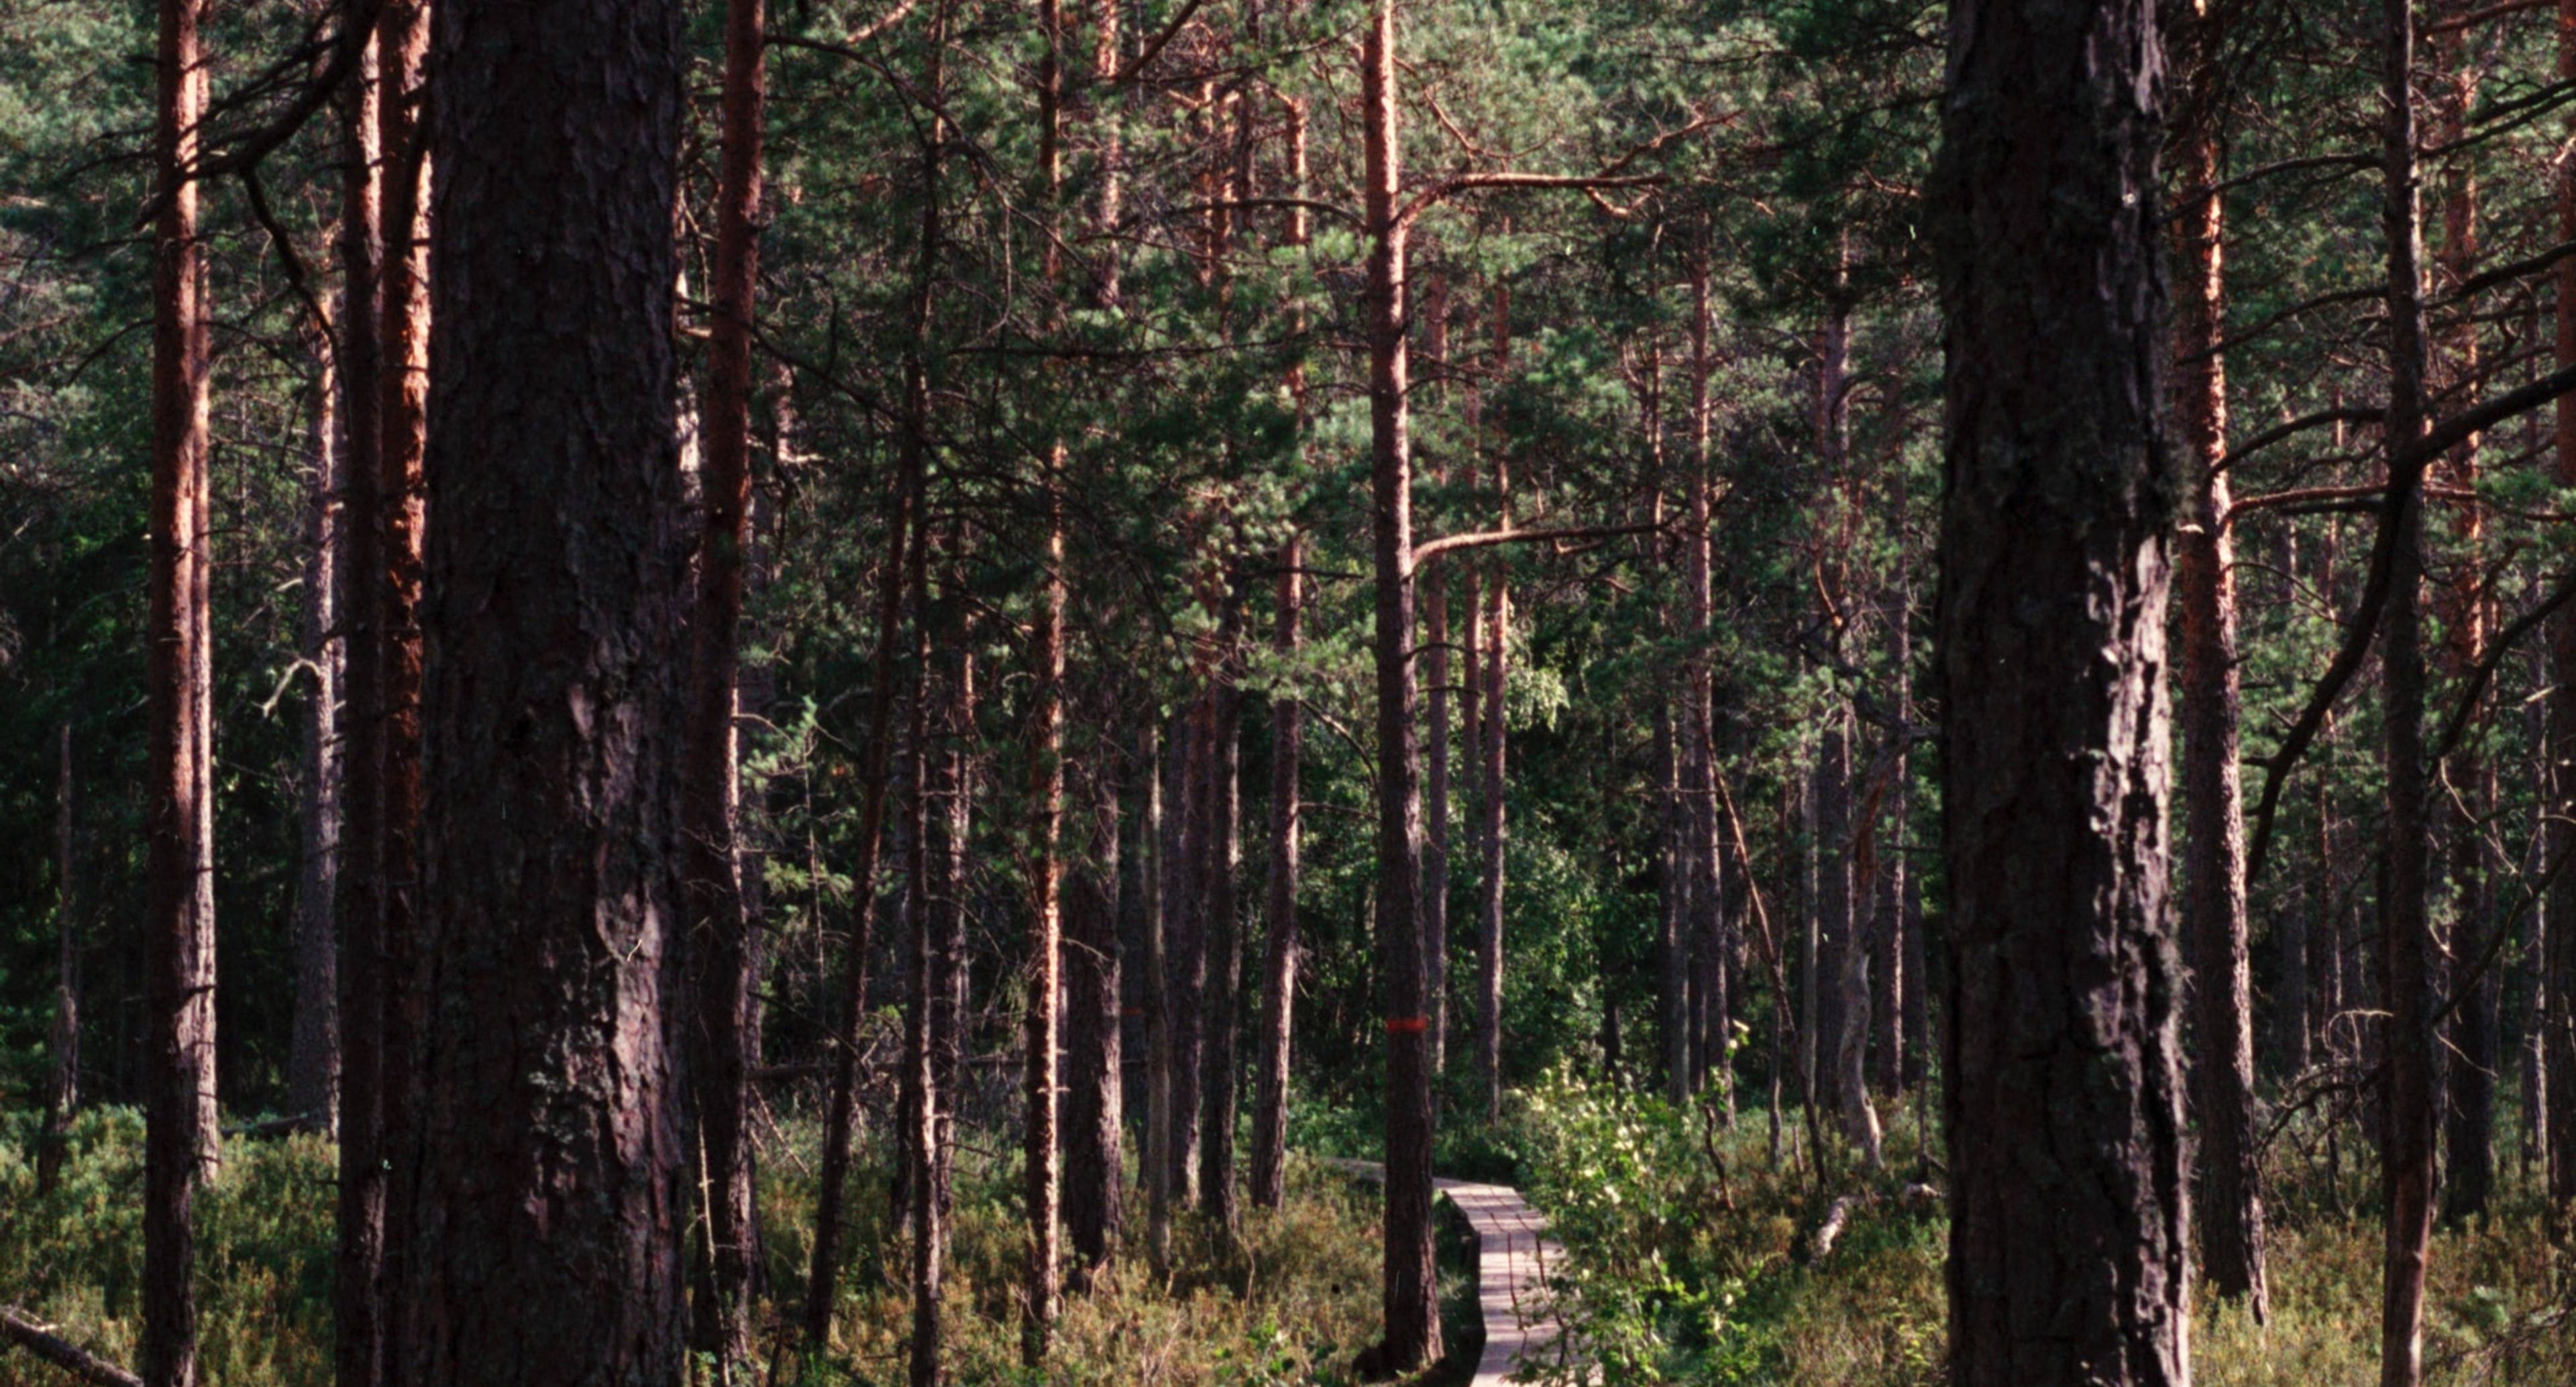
[
  {"x": 1293, "y": 1300},
  {"x": 1689, "y": 1251}
]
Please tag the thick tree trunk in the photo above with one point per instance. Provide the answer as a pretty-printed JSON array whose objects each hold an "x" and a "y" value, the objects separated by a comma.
[
  {"x": 2230, "y": 1197},
  {"x": 1411, "y": 1285},
  {"x": 543, "y": 1231},
  {"x": 2069, "y": 1245},
  {"x": 2407, "y": 953},
  {"x": 313, "y": 1054},
  {"x": 723, "y": 954},
  {"x": 1279, "y": 905},
  {"x": 1094, "y": 1101},
  {"x": 179, "y": 954}
]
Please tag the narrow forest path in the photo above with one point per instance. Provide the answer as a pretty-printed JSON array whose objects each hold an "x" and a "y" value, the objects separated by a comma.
[{"x": 1513, "y": 1253}]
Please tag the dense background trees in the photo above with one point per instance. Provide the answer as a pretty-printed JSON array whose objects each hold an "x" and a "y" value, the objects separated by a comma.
[{"x": 703, "y": 566}]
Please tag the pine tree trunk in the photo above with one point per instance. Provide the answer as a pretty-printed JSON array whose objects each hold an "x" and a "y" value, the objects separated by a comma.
[
  {"x": 1094, "y": 1100},
  {"x": 1491, "y": 826},
  {"x": 723, "y": 955},
  {"x": 822, "y": 1286},
  {"x": 1185, "y": 857},
  {"x": 402, "y": 418},
  {"x": 923, "y": 978},
  {"x": 2069, "y": 1246},
  {"x": 1219, "y": 1084},
  {"x": 2469, "y": 1115},
  {"x": 62, "y": 1098},
  {"x": 179, "y": 1075},
  {"x": 1411, "y": 1285},
  {"x": 543, "y": 1233},
  {"x": 2558, "y": 1049},
  {"x": 2407, "y": 953},
  {"x": 1153, "y": 865},
  {"x": 2230, "y": 1197},
  {"x": 313, "y": 1055},
  {"x": 1707, "y": 923},
  {"x": 358, "y": 1339},
  {"x": 1279, "y": 908}
]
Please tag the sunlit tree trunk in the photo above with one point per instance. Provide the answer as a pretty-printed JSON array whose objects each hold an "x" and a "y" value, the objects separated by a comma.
[{"x": 179, "y": 1037}]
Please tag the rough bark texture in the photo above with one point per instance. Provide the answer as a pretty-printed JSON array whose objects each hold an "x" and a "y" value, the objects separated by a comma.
[
  {"x": 543, "y": 1229},
  {"x": 724, "y": 957},
  {"x": 2069, "y": 1242},
  {"x": 179, "y": 943},
  {"x": 2230, "y": 1196},
  {"x": 1411, "y": 1283},
  {"x": 1152, "y": 862},
  {"x": 1279, "y": 903},
  {"x": 1042, "y": 1149}
]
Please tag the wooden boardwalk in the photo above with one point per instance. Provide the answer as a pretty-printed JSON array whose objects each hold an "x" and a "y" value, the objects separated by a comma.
[{"x": 1513, "y": 1255}]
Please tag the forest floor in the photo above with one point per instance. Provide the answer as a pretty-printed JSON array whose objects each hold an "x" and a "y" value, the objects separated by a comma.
[
  {"x": 1293, "y": 1300},
  {"x": 1688, "y": 1258}
]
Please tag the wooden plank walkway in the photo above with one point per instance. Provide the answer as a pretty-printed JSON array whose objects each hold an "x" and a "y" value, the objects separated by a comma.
[{"x": 1513, "y": 1254}]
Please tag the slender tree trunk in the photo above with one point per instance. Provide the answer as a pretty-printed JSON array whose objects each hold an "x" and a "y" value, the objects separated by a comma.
[
  {"x": 1435, "y": 785},
  {"x": 2559, "y": 960},
  {"x": 358, "y": 1338},
  {"x": 1706, "y": 856},
  {"x": 1279, "y": 907},
  {"x": 402, "y": 418},
  {"x": 313, "y": 1056},
  {"x": 63, "y": 1099},
  {"x": 1491, "y": 829},
  {"x": 1184, "y": 942},
  {"x": 1672, "y": 986},
  {"x": 2213, "y": 905},
  {"x": 1094, "y": 1206},
  {"x": 723, "y": 954},
  {"x": 2406, "y": 946},
  {"x": 179, "y": 958},
  {"x": 543, "y": 1231},
  {"x": 1849, "y": 879},
  {"x": 1896, "y": 980},
  {"x": 2069, "y": 1242},
  {"x": 1042, "y": 1153},
  {"x": 923, "y": 978},
  {"x": 1221, "y": 927},
  {"x": 822, "y": 1286},
  {"x": 2469, "y": 1115},
  {"x": 1411, "y": 1287},
  {"x": 1153, "y": 863}
]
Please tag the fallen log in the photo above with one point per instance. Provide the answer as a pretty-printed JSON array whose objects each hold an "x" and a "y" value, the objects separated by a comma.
[{"x": 19, "y": 1328}]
